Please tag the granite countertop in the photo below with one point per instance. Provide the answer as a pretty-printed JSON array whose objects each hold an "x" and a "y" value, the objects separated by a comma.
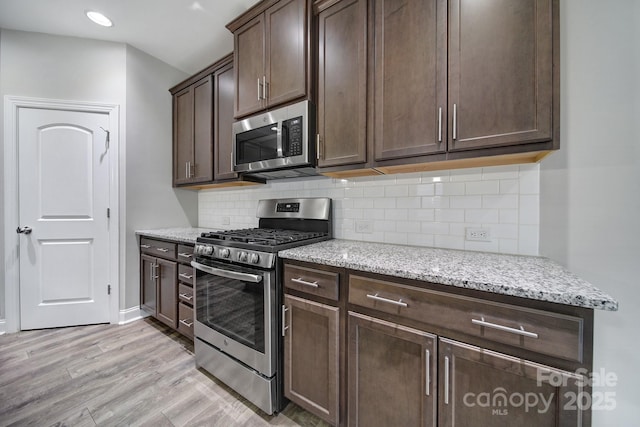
[
  {"x": 178, "y": 234},
  {"x": 535, "y": 278}
]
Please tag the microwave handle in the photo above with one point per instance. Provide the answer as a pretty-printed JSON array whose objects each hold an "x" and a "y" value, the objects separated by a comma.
[{"x": 245, "y": 277}]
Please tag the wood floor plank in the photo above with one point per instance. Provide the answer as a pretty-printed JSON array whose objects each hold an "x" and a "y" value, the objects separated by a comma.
[{"x": 139, "y": 374}]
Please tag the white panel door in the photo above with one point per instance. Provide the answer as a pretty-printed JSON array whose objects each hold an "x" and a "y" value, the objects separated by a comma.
[{"x": 63, "y": 161}]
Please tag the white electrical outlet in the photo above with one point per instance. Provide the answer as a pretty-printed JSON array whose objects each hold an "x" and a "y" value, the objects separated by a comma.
[
  {"x": 478, "y": 234},
  {"x": 364, "y": 226}
]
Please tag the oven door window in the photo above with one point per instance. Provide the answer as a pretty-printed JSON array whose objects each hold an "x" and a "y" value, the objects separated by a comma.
[
  {"x": 257, "y": 144},
  {"x": 231, "y": 306}
]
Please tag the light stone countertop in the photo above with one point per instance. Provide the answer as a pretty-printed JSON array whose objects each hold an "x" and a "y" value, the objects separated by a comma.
[
  {"x": 178, "y": 234},
  {"x": 530, "y": 277}
]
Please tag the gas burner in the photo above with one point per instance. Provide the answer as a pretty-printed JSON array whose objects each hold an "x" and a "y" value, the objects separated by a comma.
[{"x": 263, "y": 236}]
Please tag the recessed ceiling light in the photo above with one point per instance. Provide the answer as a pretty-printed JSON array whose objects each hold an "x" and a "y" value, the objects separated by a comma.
[{"x": 99, "y": 18}]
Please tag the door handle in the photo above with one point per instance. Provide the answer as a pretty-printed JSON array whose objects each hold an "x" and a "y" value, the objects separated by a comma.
[{"x": 24, "y": 230}]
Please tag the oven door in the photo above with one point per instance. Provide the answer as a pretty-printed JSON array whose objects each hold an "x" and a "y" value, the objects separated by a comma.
[{"x": 235, "y": 312}]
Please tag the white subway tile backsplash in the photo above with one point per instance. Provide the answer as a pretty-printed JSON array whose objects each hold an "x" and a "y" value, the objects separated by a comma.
[
  {"x": 482, "y": 187},
  {"x": 424, "y": 209}
]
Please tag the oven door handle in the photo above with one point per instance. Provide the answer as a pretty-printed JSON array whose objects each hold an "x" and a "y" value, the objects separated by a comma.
[{"x": 253, "y": 278}]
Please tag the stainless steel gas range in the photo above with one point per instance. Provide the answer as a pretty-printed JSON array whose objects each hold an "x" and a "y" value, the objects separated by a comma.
[{"x": 239, "y": 294}]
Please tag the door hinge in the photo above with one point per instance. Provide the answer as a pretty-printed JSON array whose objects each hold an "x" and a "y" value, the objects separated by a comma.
[
  {"x": 108, "y": 212},
  {"x": 108, "y": 289}
]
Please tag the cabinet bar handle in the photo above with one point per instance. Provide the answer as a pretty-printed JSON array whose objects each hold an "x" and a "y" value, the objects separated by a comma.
[
  {"x": 440, "y": 124},
  {"x": 390, "y": 301},
  {"x": 304, "y": 282},
  {"x": 317, "y": 146},
  {"x": 187, "y": 323},
  {"x": 186, "y": 276},
  {"x": 154, "y": 271},
  {"x": 145, "y": 246},
  {"x": 264, "y": 87},
  {"x": 185, "y": 255},
  {"x": 446, "y": 380},
  {"x": 186, "y": 296},
  {"x": 455, "y": 121},
  {"x": 186, "y": 170},
  {"x": 520, "y": 331},
  {"x": 164, "y": 250},
  {"x": 284, "y": 318},
  {"x": 259, "y": 90},
  {"x": 427, "y": 375},
  {"x": 151, "y": 275}
]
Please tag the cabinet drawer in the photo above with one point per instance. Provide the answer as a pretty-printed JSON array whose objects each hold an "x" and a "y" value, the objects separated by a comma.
[
  {"x": 311, "y": 281},
  {"x": 185, "y": 319},
  {"x": 185, "y": 293},
  {"x": 185, "y": 253},
  {"x": 185, "y": 274},
  {"x": 158, "y": 248},
  {"x": 553, "y": 334}
]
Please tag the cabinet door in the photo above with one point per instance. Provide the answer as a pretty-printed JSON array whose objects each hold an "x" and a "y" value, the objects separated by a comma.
[
  {"x": 223, "y": 121},
  {"x": 410, "y": 81},
  {"x": 311, "y": 357},
  {"x": 148, "y": 301},
  {"x": 182, "y": 135},
  {"x": 342, "y": 83},
  {"x": 202, "y": 162},
  {"x": 392, "y": 372},
  {"x": 487, "y": 389},
  {"x": 500, "y": 72},
  {"x": 167, "y": 303},
  {"x": 286, "y": 51},
  {"x": 249, "y": 66}
]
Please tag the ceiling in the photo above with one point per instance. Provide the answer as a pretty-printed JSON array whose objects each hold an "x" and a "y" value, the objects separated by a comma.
[{"x": 187, "y": 34}]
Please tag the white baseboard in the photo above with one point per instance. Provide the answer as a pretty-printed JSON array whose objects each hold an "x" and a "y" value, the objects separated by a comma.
[
  {"x": 3, "y": 326},
  {"x": 131, "y": 314}
]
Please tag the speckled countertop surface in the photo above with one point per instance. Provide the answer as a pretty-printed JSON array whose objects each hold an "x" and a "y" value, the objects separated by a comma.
[
  {"x": 184, "y": 234},
  {"x": 535, "y": 278}
]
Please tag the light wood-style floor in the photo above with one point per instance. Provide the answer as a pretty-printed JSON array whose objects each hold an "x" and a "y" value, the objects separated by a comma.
[{"x": 139, "y": 374}]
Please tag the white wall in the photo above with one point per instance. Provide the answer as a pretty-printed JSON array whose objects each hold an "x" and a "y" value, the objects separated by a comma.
[
  {"x": 68, "y": 68},
  {"x": 590, "y": 196},
  {"x": 424, "y": 209},
  {"x": 151, "y": 202}
]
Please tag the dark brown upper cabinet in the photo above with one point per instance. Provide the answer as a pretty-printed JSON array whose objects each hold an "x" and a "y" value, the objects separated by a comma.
[
  {"x": 342, "y": 83},
  {"x": 500, "y": 73},
  {"x": 192, "y": 136},
  {"x": 409, "y": 77},
  {"x": 271, "y": 55},
  {"x": 223, "y": 120},
  {"x": 410, "y": 85},
  {"x": 202, "y": 120}
]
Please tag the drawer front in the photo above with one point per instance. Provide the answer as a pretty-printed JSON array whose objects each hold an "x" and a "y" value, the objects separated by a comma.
[
  {"x": 322, "y": 283},
  {"x": 185, "y": 319},
  {"x": 186, "y": 274},
  {"x": 185, "y": 293},
  {"x": 543, "y": 332},
  {"x": 158, "y": 248},
  {"x": 185, "y": 253}
]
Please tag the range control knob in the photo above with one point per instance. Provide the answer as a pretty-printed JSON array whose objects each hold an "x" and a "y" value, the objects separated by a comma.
[
  {"x": 254, "y": 258},
  {"x": 207, "y": 250},
  {"x": 242, "y": 256},
  {"x": 225, "y": 253}
]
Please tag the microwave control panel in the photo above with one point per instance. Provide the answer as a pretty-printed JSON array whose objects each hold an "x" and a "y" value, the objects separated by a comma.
[{"x": 294, "y": 136}]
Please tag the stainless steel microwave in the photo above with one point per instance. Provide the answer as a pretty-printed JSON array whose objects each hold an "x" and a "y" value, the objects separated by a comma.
[{"x": 276, "y": 144}]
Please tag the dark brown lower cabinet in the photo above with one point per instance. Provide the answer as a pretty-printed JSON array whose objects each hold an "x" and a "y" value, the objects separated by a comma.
[
  {"x": 166, "y": 272},
  {"x": 148, "y": 291},
  {"x": 392, "y": 374},
  {"x": 311, "y": 357},
  {"x": 483, "y": 388}
]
